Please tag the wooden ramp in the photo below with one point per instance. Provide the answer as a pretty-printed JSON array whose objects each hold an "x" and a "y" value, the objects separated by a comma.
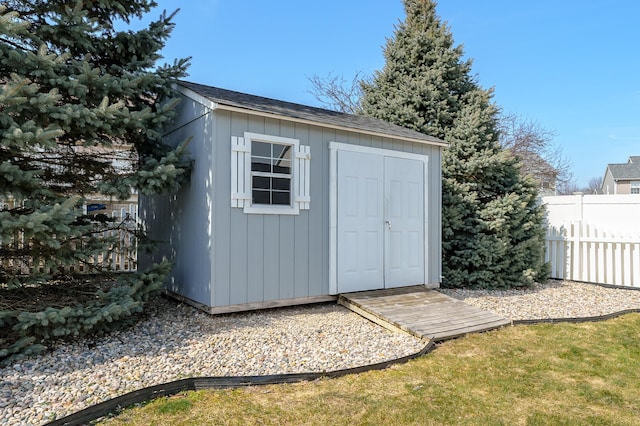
[{"x": 421, "y": 312}]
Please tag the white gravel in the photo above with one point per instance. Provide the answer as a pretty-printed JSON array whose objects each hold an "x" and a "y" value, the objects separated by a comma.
[
  {"x": 554, "y": 299},
  {"x": 178, "y": 341}
]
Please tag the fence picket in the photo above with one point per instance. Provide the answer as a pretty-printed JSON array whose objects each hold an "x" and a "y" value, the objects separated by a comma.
[
  {"x": 635, "y": 265},
  {"x": 626, "y": 264},
  {"x": 584, "y": 252},
  {"x": 592, "y": 233},
  {"x": 601, "y": 261}
]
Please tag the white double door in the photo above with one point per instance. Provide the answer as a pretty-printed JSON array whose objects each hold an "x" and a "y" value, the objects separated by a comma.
[{"x": 380, "y": 221}]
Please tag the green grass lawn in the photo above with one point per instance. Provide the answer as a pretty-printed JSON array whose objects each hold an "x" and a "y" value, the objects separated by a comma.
[{"x": 548, "y": 374}]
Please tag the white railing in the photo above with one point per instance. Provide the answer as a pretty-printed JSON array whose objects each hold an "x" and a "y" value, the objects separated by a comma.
[{"x": 594, "y": 238}]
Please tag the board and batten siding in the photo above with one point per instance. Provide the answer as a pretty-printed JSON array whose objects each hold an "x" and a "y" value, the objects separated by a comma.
[
  {"x": 261, "y": 258},
  {"x": 181, "y": 223}
]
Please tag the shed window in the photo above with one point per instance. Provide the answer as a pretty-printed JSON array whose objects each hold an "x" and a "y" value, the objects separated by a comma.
[{"x": 269, "y": 174}]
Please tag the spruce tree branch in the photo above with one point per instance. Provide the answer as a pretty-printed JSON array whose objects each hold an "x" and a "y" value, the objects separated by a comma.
[{"x": 17, "y": 45}]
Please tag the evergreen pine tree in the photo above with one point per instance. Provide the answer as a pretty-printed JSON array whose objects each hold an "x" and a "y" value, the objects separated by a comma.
[
  {"x": 492, "y": 227},
  {"x": 74, "y": 91}
]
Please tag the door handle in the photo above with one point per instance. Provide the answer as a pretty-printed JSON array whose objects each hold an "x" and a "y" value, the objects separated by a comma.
[{"x": 388, "y": 222}]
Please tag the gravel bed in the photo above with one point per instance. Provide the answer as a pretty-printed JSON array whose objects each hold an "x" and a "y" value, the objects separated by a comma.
[
  {"x": 177, "y": 341},
  {"x": 553, "y": 299}
]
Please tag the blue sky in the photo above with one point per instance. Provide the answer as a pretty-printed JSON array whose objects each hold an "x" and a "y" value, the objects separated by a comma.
[{"x": 573, "y": 66}]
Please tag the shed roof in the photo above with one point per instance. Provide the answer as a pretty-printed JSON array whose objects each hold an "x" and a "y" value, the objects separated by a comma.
[
  {"x": 229, "y": 99},
  {"x": 626, "y": 171}
]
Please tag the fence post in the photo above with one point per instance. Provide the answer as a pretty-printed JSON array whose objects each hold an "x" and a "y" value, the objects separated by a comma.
[
  {"x": 568, "y": 250},
  {"x": 577, "y": 243},
  {"x": 579, "y": 206}
]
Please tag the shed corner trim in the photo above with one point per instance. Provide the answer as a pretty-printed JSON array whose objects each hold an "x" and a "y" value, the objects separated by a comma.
[{"x": 208, "y": 103}]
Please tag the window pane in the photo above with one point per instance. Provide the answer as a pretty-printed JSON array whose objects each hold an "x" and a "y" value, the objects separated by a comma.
[
  {"x": 261, "y": 149},
  {"x": 281, "y": 184},
  {"x": 260, "y": 165},
  {"x": 268, "y": 159},
  {"x": 281, "y": 198},
  {"x": 282, "y": 151},
  {"x": 261, "y": 197},
  {"x": 282, "y": 166},
  {"x": 260, "y": 182}
]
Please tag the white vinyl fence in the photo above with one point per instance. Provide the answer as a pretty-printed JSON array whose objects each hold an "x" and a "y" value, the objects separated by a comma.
[{"x": 594, "y": 238}]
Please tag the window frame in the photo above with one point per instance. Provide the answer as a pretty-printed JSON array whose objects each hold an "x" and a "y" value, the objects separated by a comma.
[
  {"x": 292, "y": 208},
  {"x": 634, "y": 184}
]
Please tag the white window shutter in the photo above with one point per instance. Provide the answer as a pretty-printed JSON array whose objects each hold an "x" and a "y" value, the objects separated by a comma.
[
  {"x": 240, "y": 167},
  {"x": 303, "y": 159}
]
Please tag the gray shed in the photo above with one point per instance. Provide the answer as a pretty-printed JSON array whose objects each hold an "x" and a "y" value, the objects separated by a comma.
[{"x": 290, "y": 204}]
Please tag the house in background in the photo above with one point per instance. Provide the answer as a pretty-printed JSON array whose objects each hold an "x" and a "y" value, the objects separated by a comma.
[
  {"x": 544, "y": 174},
  {"x": 289, "y": 204},
  {"x": 622, "y": 178}
]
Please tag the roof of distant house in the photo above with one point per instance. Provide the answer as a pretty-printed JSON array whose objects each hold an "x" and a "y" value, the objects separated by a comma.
[
  {"x": 306, "y": 113},
  {"x": 626, "y": 171}
]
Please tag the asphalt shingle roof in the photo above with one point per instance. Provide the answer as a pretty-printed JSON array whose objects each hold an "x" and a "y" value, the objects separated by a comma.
[
  {"x": 304, "y": 112},
  {"x": 626, "y": 171}
]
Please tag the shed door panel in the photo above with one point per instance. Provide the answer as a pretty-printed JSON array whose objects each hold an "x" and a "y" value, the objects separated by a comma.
[
  {"x": 405, "y": 218},
  {"x": 360, "y": 251},
  {"x": 380, "y": 222}
]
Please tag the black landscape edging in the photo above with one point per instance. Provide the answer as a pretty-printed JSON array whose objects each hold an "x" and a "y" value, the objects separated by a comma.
[
  {"x": 576, "y": 319},
  {"x": 105, "y": 408}
]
